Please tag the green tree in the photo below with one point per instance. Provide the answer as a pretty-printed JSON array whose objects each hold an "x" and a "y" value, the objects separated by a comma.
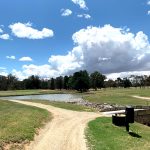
[
  {"x": 127, "y": 83},
  {"x": 66, "y": 80},
  {"x": 3, "y": 83},
  {"x": 11, "y": 82},
  {"x": 119, "y": 82},
  {"x": 81, "y": 81},
  {"x": 138, "y": 81},
  {"x": 44, "y": 84},
  {"x": 70, "y": 82},
  {"x": 52, "y": 84},
  {"x": 97, "y": 80},
  {"x": 147, "y": 81},
  {"x": 33, "y": 82},
  {"x": 59, "y": 82},
  {"x": 110, "y": 83}
]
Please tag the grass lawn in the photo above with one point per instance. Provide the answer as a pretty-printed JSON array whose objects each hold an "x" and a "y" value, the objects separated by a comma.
[
  {"x": 119, "y": 96},
  {"x": 63, "y": 105},
  {"x": 32, "y": 92},
  {"x": 112, "y": 96},
  {"x": 101, "y": 134},
  {"x": 19, "y": 123}
]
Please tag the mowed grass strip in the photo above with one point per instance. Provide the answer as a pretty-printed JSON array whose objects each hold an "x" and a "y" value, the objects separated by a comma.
[
  {"x": 101, "y": 134},
  {"x": 36, "y": 92},
  {"x": 64, "y": 105},
  {"x": 20, "y": 122},
  {"x": 29, "y": 92},
  {"x": 119, "y": 96}
]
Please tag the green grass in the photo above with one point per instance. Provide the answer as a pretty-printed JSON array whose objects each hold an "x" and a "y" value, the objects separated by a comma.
[
  {"x": 101, "y": 134},
  {"x": 119, "y": 96},
  {"x": 20, "y": 122},
  {"x": 32, "y": 92},
  {"x": 64, "y": 105}
]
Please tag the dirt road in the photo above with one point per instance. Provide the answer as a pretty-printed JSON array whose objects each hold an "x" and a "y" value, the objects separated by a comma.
[
  {"x": 64, "y": 132},
  {"x": 141, "y": 97}
]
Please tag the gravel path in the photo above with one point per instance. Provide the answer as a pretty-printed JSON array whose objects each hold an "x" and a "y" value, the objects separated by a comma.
[
  {"x": 64, "y": 132},
  {"x": 141, "y": 97}
]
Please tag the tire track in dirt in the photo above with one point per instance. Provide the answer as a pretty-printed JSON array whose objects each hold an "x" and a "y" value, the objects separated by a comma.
[{"x": 64, "y": 132}]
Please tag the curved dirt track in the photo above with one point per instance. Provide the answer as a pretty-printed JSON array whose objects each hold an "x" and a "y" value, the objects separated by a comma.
[
  {"x": 141, "y": 97},
  {"x": 64, "y": 132}
]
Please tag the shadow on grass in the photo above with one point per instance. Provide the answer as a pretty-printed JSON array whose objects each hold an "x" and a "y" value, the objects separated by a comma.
[{"x": 133, "y": 134}]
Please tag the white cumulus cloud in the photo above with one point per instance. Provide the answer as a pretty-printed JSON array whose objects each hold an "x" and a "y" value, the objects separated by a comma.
[
  {"x": 106, "y": 49},
  {"x": 3, "y": 73},
  {"x": 5, "y": 36},
  {"x": 25, "y": 59},
  {"x": 66, "y": 12},
  {"x": 1, "y": 31},
  {"x": 2, "y": 68},
  {"x": 148, "y": 2},
  {"x": 81, "y": 3},
  {"x": 26, "y": 30},
  {"x": 43, "y": 71},
  {"x": 19, "y": 74},
  {"x": 114, "y": 76},
  {"x": 11, "y": 57},
  {"x": 86, "y": 16},
  {"x": 69, "y": 62}
]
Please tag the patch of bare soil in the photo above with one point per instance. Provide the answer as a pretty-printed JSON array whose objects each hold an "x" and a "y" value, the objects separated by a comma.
[
  {"x": 64, "y": 132},
  {"x": 141, "y": 97}
]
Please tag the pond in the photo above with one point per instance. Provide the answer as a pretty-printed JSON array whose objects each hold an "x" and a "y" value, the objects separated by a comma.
[{"x": 50, "y": 97}]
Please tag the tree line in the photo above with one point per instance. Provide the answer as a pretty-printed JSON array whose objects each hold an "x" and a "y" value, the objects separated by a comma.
[{"x": 81, "y": 81}]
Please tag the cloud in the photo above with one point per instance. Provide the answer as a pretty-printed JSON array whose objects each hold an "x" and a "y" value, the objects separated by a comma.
[
  {"x": 25, "y": 59},
  {"x": 148, "y": 12},
  {"x": 5, "y": 36},
  {"x": 66, "y": 12},
  {"x": 106, "y": 49},
  {"x": 148, "y": 2},
  {"x": 81, "y": 3},
  {"x": 86, "y": 16},
  {"x": 21, "y": 30},
  {"x": 3, "y": 73},
  {"x": 11, "y": 57},
  {"x": 1, "y": 31},
  {"x": 69, "y": 62},
  {"x": 43, "y": 71},
  {"x": 2, "y": 68},
  {"x": 19, "y": 74},
  {"x": 114, "y": 76}
]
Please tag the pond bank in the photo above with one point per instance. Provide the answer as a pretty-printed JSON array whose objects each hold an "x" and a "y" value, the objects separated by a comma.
[{"x": 105, "y": 106}]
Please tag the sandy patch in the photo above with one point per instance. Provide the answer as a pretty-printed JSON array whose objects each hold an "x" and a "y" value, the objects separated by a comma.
[
  {"x": 64, "y": 132},
  {"x": 141, "y": 97}
]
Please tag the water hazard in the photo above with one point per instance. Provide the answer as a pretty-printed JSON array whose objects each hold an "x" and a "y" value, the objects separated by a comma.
[{"x": 50, "y": 97}]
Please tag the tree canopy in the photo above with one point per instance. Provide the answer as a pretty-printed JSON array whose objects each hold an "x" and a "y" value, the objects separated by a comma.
[{"x": 80, "y": 81}]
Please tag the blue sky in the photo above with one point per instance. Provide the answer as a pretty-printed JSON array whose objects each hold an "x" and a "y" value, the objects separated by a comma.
[{"x": 44, "y": 37}]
